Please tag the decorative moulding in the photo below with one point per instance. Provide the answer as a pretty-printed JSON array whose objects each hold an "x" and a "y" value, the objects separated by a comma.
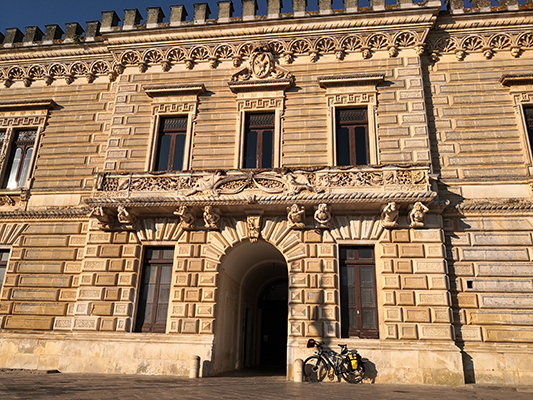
[
  {"x": 27, "y": 104},
  {"x": 168, "y": 90},
  {"x": 256, "y": 85},
  {"x": 516, "y": 79},
  {"x": 372, "y": 79}
]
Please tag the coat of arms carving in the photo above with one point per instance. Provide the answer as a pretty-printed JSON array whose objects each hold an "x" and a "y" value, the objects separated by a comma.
[{"x": 261, "y": 65}]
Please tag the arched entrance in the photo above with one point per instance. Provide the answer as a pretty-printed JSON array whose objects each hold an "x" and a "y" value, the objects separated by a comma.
[{"x": 252, "y": 309}]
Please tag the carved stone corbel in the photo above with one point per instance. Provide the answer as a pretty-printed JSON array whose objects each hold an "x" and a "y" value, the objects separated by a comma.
[
  {"x": 211, "y": 218},
  {"x": 106, "y": 220},
  {"x": 6, "y": 200},
  {"x": 127, "y": 220},
  {"x": 296, "y": 216},
  {"x": 187, "y": 217},
  {"x": 254, "y": 223},
  {"x": 322, "y": 216},
  {"x": 389, "y": 215},
  {"x": 417, "y": 215}
]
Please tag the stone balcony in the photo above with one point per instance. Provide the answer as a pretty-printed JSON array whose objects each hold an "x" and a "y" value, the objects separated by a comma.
[{"x": 362, "y": 188}]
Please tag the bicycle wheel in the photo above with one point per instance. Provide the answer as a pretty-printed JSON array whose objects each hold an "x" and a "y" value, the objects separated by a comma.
[
  {"x": 315, "y": 369},
  {"x": 349, "y": 374}
]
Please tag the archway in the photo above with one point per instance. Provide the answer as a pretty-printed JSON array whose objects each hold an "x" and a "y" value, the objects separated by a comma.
[{"x": 252, "y": 310}]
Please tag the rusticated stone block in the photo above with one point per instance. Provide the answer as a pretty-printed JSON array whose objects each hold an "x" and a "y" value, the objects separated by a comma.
[
  {"x": 132, "y": 265},
  {"x": 127, "y": 279},
  {"x": 90, "y": 293},
  {"x": 435, "y": 332},
  {"x": 45, "y": 241},
  {"x": 30, "y": 267},
  {"x": 27, "y": 322},
  {"x": 110, "y": 251},
  {"x": 40, "y": 308},
  {"x": 108, "y": 324},
  {"x": 426, "y": 235},
  {"x": 189, "y": 325},
  {"x": 389, "y": 250},
  {"x": 313, "y": 266},
  {"x": 400, "y": 236},
  {"x": 402, "y": 266},
  {"x": 195, "y": 265},
  {"x": 99, "y": 238},
  {"x": 192, "y": 294},
  {"x": 429, "y": 267},
  {"x": 469, "y": 333},
  {"x": 441, "y": 315},
  {"x": 326, "y": 250},
  {"x": 417, "y": 315},
  {"x": 66, "y": 228},
  {"x": 197, "y": 237},
  {"x": 116, "y": 265},
  {"x": 411, "y": 250},
  {"x": 68, "y": 294},
  {"x": 299, "y": 312},
  {"x": 123, "y": 309},
  {"x": 438, "y": 282},
  {"x": 435, "y": 250},
  {"x": 45, "y": 281},
  {"x": 299, "y": 280},
  {"x": 63, "y": 323},
  {"x": 86, "y": 323},
  {"x": 523, "y": 301},
  {"x": 391, "y": 331},
  {"x": 314, "y": 297},
  {"x": 102, "y": 309},
  {"x": 500, "y": 239},
  {"x": 387, "y": 266},
  {"x": 327, "y": 313},
  {"x": 391, "y": 282},
  {"x": 414, "y": 282},
  {"x": 312, "y": 236},
  {"x": 111, "y": 294},
  {"x": 467, "y": 300},
  {"x": 207, "y": 326},
  {"x": 41, "y": 294},
  {"x": 5, "y": 307},
  {"x": 105, "y": 280},
  {"x": 405, "y": 298},
  {"x": 313, "y": 329},
  {"x": 207, "y": 279},
  {"x": 95, "y": 265},
  {"x": 492, "y": 254},
  {"x": 407, "y": 332},
  {"x": 393, "y": 314},
  {"x": 47, "y": 254},
  {"x": 432, "y": 299}
]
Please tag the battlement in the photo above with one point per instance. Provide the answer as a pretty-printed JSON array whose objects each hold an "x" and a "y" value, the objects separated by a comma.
[{"x": 200, "y": 15}]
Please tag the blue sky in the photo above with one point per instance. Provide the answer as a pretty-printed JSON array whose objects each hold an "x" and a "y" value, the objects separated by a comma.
[{"x": 22, "y": 13}]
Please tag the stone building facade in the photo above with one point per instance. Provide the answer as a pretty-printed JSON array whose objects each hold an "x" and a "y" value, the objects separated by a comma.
[{"x": 230, "y": 186}]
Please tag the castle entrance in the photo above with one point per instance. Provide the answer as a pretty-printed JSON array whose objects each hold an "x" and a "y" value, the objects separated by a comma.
[{"x": 252, "y": 314}]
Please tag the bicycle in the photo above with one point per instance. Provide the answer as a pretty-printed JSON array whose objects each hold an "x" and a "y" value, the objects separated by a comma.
[{"x": 347, "y": 364}]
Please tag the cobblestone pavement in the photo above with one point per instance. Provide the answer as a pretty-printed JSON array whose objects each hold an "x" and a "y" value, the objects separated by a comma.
[{"x": 24, "y": 385}]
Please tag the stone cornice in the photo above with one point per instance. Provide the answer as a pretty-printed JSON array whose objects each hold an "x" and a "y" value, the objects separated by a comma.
[
  {"x": 51, "y": 213},
  {"x": 301, "y": 198},
  {"x": 491, "y": 207},
  {"x": 167, "y": 90},
  {"x": 271, "y": 29},
  {"x": 372, "y": 79},
  {"x": 516, "y": 79},
  {"x": 27, "y": 104},
  {"x": 260, "y": 85}
]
